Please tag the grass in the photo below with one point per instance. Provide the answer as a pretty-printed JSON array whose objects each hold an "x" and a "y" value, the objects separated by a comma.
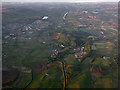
[
  {"x": 14, "y": 57},
  {"x": 26, "y": 80},
  {"x": 101, "y": 62},
  {"x": 70, "y": 59},
  {"x": 40, "y": 55},
  {"x": 53, "y": 80},
  {"x": 37, "y": 79},
  {"x": 103, "y": 48},
  {"x": 92, "y": 32},
  {"x": 80, "y": 78},
  {"x": 103, "y": 83}
]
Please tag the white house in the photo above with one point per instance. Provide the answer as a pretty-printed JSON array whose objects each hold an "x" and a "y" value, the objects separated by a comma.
[
  {"x": 45, "y": 17},
  {"x": 62, "y": 46}
]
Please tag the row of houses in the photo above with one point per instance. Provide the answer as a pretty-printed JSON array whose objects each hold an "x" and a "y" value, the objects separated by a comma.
[
  {"x": 80, "y": 54},
  {"x": 54, "y": 53},
  {"x": 106, "y": 58},
  {"x": 10, "y": 36}
]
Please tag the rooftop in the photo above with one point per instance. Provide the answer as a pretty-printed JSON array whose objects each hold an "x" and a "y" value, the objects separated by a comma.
[{"x": 45, "y": 17}]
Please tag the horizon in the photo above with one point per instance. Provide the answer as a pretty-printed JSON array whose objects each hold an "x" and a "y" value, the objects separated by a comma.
[{"x": 66, "y": 1}]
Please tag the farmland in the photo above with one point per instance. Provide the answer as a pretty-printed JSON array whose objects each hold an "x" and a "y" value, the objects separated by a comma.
[{"x": 60, "y": 45}]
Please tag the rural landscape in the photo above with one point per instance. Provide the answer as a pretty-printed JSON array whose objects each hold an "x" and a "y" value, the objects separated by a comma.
[{"x": 59, "y": 45}]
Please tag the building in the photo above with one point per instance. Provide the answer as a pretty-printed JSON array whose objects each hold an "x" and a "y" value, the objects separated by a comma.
[
  {"x": 47, "y": 74},
  {"x": 62, "y": 46},
  {"x": 85, "y": 12},
  {"x": 95, "y": 12},
  {"x": 54, "y": 53},
  {"x": 43, "y": 42},
  {"x": 82, "y": 48},
  {"x": 27, "y": 71},
  {"x": 106, "y": 57},
  {"x": 45, "y": 17},
  {"x": 6, "y": 36}
]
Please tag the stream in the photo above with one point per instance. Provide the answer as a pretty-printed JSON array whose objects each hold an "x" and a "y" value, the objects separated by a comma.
[{"x": 64, "y": 75}]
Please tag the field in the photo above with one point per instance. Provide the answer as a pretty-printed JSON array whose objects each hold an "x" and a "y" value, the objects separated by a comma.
[{"x": 60, "y": 45}]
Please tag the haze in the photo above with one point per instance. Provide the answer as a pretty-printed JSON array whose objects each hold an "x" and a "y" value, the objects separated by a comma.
[{"x": 60, "y": 1}]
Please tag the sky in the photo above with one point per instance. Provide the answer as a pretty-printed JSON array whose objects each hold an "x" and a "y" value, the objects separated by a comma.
[{"x": 60, "y": 0}]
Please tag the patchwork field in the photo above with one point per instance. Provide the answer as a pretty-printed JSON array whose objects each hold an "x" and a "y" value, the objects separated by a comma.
[{"x": 60, "y": 45}]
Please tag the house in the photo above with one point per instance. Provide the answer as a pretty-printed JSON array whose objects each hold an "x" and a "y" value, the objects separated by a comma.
[
  {"x": 84, "y": 11},
  {"x": 27, "y": 71},
  {"x": 82, "y": 26},
  {"x": 47, "y": 74},
  {"x": 78, "y": 48},
  {"x": 79, "y": 59},
  {"x": 14, "y": 38},
  {"x": 45, "y": 17},
  {"x": 78, "y": 55},
  {"x": 74, "y": 49},
  {"x": 94, "y": 44},
  {"x": 62, "y": 46},
  {"x": 23, "y": 32},
  {"x": 95, "y": 12},
  {"x": 84, "y": 53},
  {"x": 82, "y": 48},
  {"x": 58, "y": 26},
  {"x": 43, "y": 42},
  {"x": 101, "y": 32},
  {"x": 29, "y": 27},
  {"x": 104, "y": 36},
  {"x": 11, "y": 34},
  {"x": 54, "y": 53},
  {"x": 106, "y": 57},
  {"x": 30, "y": 32},
  {"x": 26, "y": 28},
  {"x": 6, "y": 36},
  {"x": 29, "y": 38}
]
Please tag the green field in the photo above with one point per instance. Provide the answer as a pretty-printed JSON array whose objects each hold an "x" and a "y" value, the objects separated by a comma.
[{"x": 76, "y": 46}]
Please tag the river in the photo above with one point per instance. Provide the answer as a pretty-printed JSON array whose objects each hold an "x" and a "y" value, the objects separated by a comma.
[
  {"x": 65, "y": 15},
  {"x": 64, "y": 75}
]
